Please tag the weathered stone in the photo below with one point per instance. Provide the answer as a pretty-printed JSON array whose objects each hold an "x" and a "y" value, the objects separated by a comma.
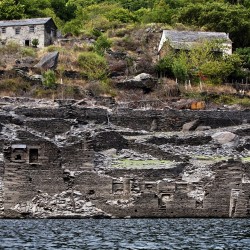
[
  {"x": 226, "y": 138},
  {"x": 142, "y": 81},
  {"x": 190, "y": 125},
  {"x": 66, "y": 160},
  {"x": 49, "y": 61},
  {"x": 202, "y": 128}
]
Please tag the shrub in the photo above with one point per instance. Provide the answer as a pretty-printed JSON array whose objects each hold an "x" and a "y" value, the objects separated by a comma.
[
  {"x": 12, "y": 47},
  {"x": 92, "y": 65},
  {"x": 25, "y": 51},
  {"x": 102, "y": 44},
  {"x": 35, "y": 42},
  {"x": 49, "y": 79}
]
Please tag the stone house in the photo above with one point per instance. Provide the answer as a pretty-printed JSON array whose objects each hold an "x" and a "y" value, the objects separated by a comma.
[
  {"x": 186, "y": 40},
  {"x": 25, "y": 30}
]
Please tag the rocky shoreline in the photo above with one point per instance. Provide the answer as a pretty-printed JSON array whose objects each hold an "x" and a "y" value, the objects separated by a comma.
[{"x": 97, "y": 158}]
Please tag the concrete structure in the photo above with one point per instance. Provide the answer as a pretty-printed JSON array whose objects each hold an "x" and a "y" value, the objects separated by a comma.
[
  {"x": 25, "y": 30},
  {"x": 186, "y": 40}
]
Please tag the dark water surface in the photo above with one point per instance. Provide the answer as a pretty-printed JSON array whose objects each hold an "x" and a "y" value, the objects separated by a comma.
[{"x": 125, "y": 234}]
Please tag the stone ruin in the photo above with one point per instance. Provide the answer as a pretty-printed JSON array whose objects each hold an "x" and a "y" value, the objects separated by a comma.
[{"x": 66, "y": 158}]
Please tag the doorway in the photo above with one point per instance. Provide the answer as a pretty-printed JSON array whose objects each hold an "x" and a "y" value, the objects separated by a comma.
[{"x": 27, "y": 42}]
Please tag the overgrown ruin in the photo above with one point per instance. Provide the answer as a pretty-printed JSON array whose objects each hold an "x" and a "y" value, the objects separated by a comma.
[{"x": 68, "y": 158}]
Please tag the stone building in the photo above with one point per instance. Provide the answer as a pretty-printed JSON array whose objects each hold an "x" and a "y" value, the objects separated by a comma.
[
  {"x": 26, "y": 30},
  {"x": 186, "y": 40}
]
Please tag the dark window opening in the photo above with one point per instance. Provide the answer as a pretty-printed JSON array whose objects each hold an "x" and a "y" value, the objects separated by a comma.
[
  {"x": 17, "y": 31},
  {"x": 18, "y": 157},
  {"x": 33, "y": 156},
  {"x": 32, "y": 29},
  {"x": 27, "y": 42}
]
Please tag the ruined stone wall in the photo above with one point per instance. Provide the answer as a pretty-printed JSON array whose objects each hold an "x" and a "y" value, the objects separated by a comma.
[
  {"x": 53, "y": 152},
  {"x": 157, "y": 120},
  {"x": 32, "y": 165}
]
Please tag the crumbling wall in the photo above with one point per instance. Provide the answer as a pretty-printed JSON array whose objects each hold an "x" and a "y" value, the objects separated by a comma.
[
  {"x": 31, "y": 166},
  {"x": 51, "y": 151}
]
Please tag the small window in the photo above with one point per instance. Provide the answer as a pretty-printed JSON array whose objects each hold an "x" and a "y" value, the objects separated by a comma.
[
  {"x": 17, "y": 31},
  {"x": 3, "y": 30},
  {"x": 32, "y": 29}
]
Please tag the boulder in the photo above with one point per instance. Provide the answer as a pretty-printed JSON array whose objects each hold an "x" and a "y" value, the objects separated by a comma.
[
  {"x": 226, "y": 138},
  {"x": 190, "y": 125},
  {"x": 142, "y": 81},
  {"x": 49, "y": 61}
]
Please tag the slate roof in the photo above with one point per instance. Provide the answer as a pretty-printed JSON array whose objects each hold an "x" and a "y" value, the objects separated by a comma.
[
  {"x": 193, "y": 36},
  {"x": 24, "y": 22},
  {"x": 186, "y": 39}
]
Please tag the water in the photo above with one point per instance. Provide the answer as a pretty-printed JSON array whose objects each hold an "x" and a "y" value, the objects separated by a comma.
[{"x": 125, "y": 234}]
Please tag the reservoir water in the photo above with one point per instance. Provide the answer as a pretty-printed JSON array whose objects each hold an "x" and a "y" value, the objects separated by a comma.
[{"x": 125, "y": 234}]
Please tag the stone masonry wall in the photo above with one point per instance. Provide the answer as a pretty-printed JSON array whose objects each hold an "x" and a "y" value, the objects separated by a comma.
[
  {"x": 25, "y": 34},
  {"x": 68, "y": 151}
]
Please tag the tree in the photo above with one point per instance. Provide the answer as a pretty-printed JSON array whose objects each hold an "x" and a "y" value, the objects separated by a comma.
[
  {"x": 9, "y": 9},
  {"x": 34, "y": 8},
  {"x": 121, "y": 15},
  {"x": 64, "y": 10},
  {"x": 244, "y": 54},
  {"x": 222, "y": 17},
  {"x": 161, "y": 13}
]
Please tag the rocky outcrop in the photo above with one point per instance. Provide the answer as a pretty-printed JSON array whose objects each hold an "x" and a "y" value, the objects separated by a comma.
[
  {"x": 142, "y": 81},
  {"x": 49, "y": 61}
]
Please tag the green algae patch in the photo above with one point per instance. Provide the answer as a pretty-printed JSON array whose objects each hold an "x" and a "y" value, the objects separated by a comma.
[
  {"x": 210, "y": 158},
  {"x": 142, "y": 164},
  {"x": 246, "y": 159}
]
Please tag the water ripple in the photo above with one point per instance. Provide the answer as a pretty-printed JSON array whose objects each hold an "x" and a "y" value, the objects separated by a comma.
[{"x": 125, "y": 234}]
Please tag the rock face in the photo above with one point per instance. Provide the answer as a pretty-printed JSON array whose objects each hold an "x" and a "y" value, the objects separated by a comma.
[
  {"x": 66, "y": 158},
  {"x": 49, "y": 61}
]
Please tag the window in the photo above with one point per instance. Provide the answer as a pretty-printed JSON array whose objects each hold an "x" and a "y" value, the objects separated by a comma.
[
  {"x": 3, "y": 30},
  {"x": 17, "y": 31},
  {"x": 32, "y": 29}
]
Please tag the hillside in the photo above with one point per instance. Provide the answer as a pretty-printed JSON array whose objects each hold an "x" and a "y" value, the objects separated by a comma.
[{"x": 104, "y": 46}]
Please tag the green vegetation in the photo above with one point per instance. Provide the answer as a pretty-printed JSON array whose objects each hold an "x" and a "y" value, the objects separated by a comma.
[
  {"x": 122, "y": 26},
  {"x": 200, "y": 63},
  {"x": 142, "y": 164},
  {"x": 81, "y": 16},
  {"x": 93, "y": 65},
  {"x": 35, "y": 42},
  {"x": 246, "y": 159},
  {"x": 49, "y": 79}
]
